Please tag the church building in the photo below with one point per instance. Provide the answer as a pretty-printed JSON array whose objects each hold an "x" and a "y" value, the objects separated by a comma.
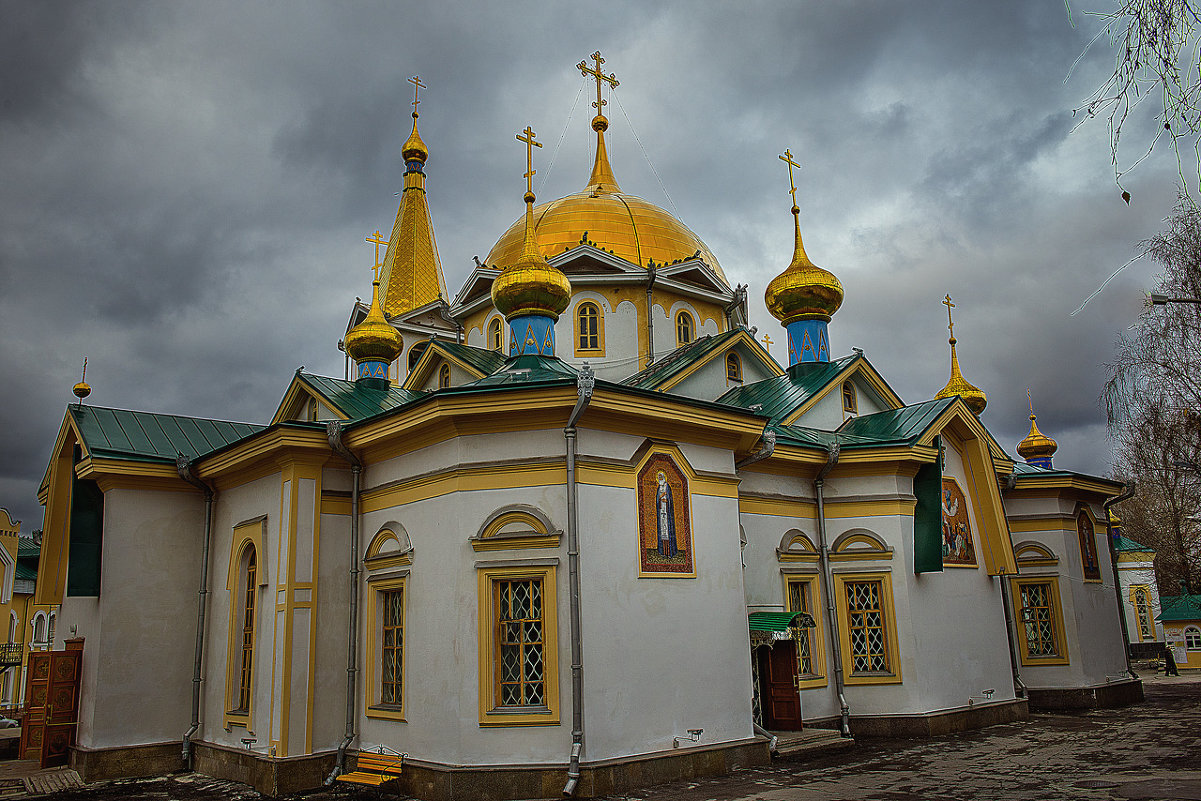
[{"x": 571, "y": 531}]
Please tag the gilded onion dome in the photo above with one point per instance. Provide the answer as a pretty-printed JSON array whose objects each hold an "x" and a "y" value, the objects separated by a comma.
[
  {"x": 374, "y": 339},
  {"x": 1037, "y": 445},
  {"x": 413, "y": 148},
  {"x": 972, "y": 395},
  {"x": 803, "y": 291},
  {"x": 529, "y": 284}
]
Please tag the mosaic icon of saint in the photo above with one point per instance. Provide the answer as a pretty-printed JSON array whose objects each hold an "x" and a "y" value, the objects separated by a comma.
[{"x": 665, "y": 517}]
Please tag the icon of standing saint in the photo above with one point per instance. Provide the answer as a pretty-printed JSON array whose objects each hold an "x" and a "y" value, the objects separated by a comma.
[{"x": 665, "y": 535}]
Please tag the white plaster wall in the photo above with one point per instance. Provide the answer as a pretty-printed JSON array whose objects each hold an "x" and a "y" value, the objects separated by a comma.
[
  {"x": 139, "y": 636},
  {"x": 332, "y": 607},
  {"x": 621, "y": 329},
  {"x": 710, "y": 382},
  {"x": 826, "y": 414}
]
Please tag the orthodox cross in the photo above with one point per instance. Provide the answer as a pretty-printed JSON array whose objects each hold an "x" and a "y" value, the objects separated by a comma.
[
  {"x": 767, "y": 341},
  {"x": 378, "y": 240},
  {"x": 84, "y": 377},
  {"x": 417, "y": 87},
  {"x": 787, "y": 158},
  {"x": 596, "y": 73},
  {"x": 1030, "y": 400},
  {"x": 950, "y": 323},
  {"x": 530, "y": 144}
]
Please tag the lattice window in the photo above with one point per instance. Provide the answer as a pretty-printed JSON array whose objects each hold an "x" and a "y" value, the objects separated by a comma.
[
  {"x": 865, "y": 612},
  {"x": 1192, "y": 638},
  {"x": 521, "y": 679},
  {"x": 1142, "y": 607},
  {"x": 1038, "y": 619},
  {"x": 392, "y": 648},
  {"x": 247, "y": 649},
  {"x": 798, "y": 601}
]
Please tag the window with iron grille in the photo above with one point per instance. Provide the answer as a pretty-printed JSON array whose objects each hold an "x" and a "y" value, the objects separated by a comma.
[
  {"x": 1038, "y": 619},
  {"x": 865, "y": 626},
  {"x": 392, "y": 648},
  {"x": 519, "y": 643},
  {"x": 1142, "y": 607},
  {"x": 247, "y": 650},
  {"x": 799, "y": 600}
]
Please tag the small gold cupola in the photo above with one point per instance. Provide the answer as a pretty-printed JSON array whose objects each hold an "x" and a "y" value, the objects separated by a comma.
[
  {"x": 972, "y": 395},
  {"x": 374, "y": 344},
  {"x": 530, "y": 292},
  {"x": 1037, "y": 448},
  {"x": 804, "y": 297},
  {"x": 82, "y": 389}
]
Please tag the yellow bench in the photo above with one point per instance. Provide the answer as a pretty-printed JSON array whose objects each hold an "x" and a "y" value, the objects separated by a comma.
[{"x": 374, "y": 770}]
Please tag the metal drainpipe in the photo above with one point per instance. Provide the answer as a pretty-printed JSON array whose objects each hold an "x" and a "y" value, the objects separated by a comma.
[
  {"x": 769, "y": 447},
  {"x": 333, "y": 431},
  {"x": 1127, "y": 492},
  {"x": 585, "y": 383},
  {"x": 650, "y": 313},
  {"x": 183, "y": 466},
  {"x": 1019, "y": 687},
  {"x": 827, "y": 589}
]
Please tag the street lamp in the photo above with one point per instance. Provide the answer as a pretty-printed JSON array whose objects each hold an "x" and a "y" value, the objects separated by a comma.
[{"x": 1156, "y": 299}]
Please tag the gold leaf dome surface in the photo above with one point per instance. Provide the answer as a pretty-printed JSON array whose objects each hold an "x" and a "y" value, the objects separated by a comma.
[
  {"x": 632, "y": 228},
  {"x": 374, "y": 338},
  {"x": 529, "y": 284},
  {"x": 1036, "y": 444},
  {"x": 972, "y": 395},
  {"x": 803, "y": 291},
  {"x": 414, "y": 149}
]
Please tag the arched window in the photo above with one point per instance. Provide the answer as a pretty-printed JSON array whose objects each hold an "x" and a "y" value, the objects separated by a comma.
[
  {"x": 1192, "y": 638},
  {"x": 444, "y": 376},
  {"x": 496, "y": 339},
  {"x": 246, "y": 650},
  {"x": 733, "y": 367},
  {"x": 588, "y": 327},
  {"x": 1142, "y": 608},
  {"x": 685, "y": 328},
  {"x": 39, "y": 629},
  {"x": 850, "y": 404}
]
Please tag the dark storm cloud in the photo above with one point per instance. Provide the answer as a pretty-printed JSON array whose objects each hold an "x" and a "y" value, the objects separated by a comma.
[{"x": 187, "y": 187}]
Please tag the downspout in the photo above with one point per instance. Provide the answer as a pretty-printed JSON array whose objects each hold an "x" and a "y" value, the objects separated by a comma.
[
  {"x": 831, "y": 615},
  {"x": 1019, "y": 687},
  {"x": 650, "y": 314},
  {"x": 1127, "y": 492},
  {"x": 585, "y": 383},
  {"x": 769, "y": 447},
  {"x": 333, "y": 431},
  {"x": 183, "y": 466}
]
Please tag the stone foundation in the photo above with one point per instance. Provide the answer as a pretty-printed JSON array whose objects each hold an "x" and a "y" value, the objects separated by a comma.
[
  {"x": 271, "y": 776},
  {"x": 931, "y": 724},
  {"x": 1099, "y": 696}
]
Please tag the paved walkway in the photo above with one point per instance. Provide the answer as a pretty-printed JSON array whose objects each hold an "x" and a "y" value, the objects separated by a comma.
[{"x": 1150, "y": 751}]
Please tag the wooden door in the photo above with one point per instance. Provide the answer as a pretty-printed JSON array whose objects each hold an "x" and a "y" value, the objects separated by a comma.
[
  {"x": 781, "y": 699},
  {"x": 51, "y": 705}
]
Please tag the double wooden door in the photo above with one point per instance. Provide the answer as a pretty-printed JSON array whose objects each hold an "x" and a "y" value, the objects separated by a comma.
[
  {"x": 778, "y": 686},
  {"x": 51, "y": 704}
]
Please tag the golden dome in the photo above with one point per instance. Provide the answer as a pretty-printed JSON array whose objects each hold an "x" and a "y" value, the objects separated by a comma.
[
  {"x": 1038, "y": 445},
  {"x": 529, "y": 284},
  {"x": 374, "y": 339},
  {"x": 972, "y": 395},
  {"x": 602, "y": 215},
  {"x": 803, "y": 291},
  {"x": 81, "y": 390},
  {"x": 414, "y": 149}
]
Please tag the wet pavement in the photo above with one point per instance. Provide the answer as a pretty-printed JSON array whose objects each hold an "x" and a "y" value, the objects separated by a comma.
[{"x": 1149, "y": 751}]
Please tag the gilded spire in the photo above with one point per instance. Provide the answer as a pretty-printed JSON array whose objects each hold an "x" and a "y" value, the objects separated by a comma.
[
  {"x": 973, "y": 396},
  {"x": 530, "y": 285},
  {"x": 374, "y": 344},
  {"x": 1037, "y": 448},
  {"x": 602, "y": 179},
  {"x": 412, "y": 271},
  {"x": 804, "y": 297}
]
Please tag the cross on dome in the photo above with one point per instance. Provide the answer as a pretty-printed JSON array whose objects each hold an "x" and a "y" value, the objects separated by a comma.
[
  {"x": 950, "y": 323},
  {"x": 530, "y": 144},
  {"x": 787, "y": 157},
  {"x": 417, "y": 87},
  {"x": 596, "y": 73}
]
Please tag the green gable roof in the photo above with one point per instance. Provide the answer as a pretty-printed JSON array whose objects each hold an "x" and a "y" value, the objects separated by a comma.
[
  {"x": 486, "y": 361},
  {"x": 523, "y": 370},
  {"x": 355, "y": 400},
  {"x": 120, "y": 433},
  {"x": 679, "y": 360},
  {"x": 816, "y": 437},
  {"x": 25, "y": 572},
  {"x": 1179, "y": 607},
  {"x": 897, "y": 426},
  {"x": 28, "y": 547},
  {"x": 778, "y": 396}
]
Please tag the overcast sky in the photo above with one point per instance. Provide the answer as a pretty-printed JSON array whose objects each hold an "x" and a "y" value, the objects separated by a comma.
[{"x": 185, "y": 187}]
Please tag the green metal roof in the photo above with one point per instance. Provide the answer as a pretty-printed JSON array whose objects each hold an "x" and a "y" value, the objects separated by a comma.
[
  {"x": 486, "y": 361},
  {"x": 25, "y": 572},
  {"x": 1179, "y": 607},
  {"x": 28, "y": 547},
  {"x": 816, "y": 437},
  {"x": 524, "y": 370},
  {"x": 355, "y": 400},
  {"x": 778, "y": 396},
  {"x": 1125, "y": 544},
  {"x": 897, "y": 426},
  {"x": 146, "y": 436},
  {"x": 779, "y": 621},
  {"x": 680, "y": 359}
]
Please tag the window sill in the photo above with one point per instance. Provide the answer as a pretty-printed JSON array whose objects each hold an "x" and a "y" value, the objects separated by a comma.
[
  {"x": 387, "y": 712},
  {"x": 520, "y": 716}
]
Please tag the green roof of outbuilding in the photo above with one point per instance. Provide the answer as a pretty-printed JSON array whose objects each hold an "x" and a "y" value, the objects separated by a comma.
[
  {"x": 679, "y": 360},
  {"x": 358, "y": 401},
  {"x": 778, "y": 621},
  {"x": 778, "y": 396},
  {"x": 1125, "y": 544},
  {"x": 896, "y": 426},
  {"x": 148, "y": 436},
  {"x": 1179, "y": 607}
]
